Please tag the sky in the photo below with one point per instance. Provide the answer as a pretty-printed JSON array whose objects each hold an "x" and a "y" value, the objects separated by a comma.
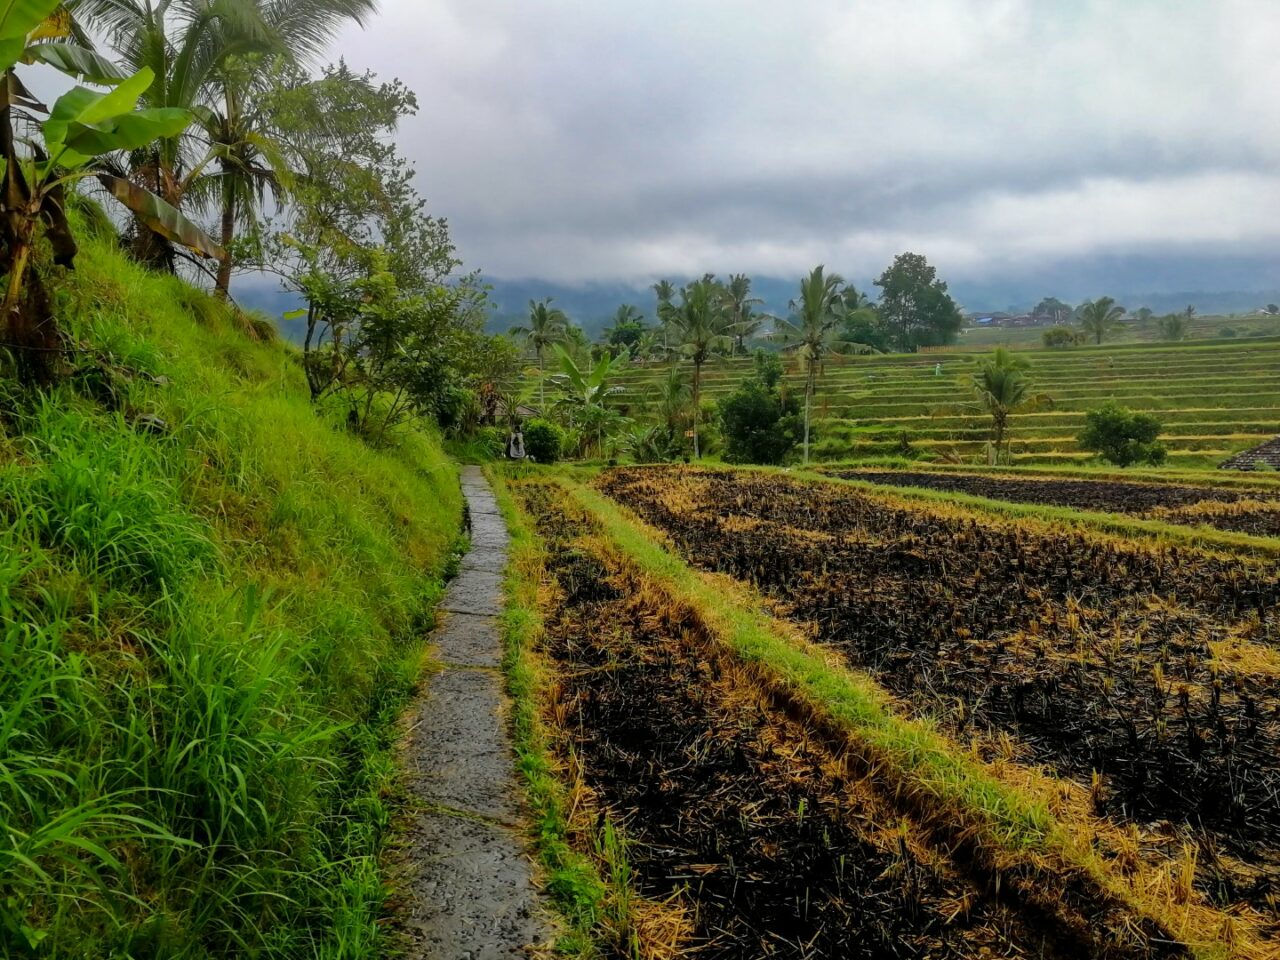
[{"x": 612, "y": 141}]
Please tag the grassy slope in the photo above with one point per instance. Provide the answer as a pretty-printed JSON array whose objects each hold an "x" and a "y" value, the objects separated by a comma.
[
  {"x": 1212, "y": 399},
  {"x": 208, "y": 630}
]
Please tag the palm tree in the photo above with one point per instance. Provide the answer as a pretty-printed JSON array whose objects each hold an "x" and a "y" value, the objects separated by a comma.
[
  {"x": 665, "y": 292},
  {"x": 1099, "y": 316},
  {"x": 813, "y": 332},
  {"x": 204, "y": 56},
  {"x": 548, "y": 326},
  {"x": 737, "y": 296},
  {"x": 702, "y": 327},
  {"x": 1002, "y": 386}
]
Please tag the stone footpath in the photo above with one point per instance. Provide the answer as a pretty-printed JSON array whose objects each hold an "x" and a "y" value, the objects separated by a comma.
[{"x": 467, "y": 888}]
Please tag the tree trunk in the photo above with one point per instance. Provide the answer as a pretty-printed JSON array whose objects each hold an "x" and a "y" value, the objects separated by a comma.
[
  {"x": 808, "y": 401},
  {"x": 222, "y": 289},
  {"x": 697, "y": 406}
]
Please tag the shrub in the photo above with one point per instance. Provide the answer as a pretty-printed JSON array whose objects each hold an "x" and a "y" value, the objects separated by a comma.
[
  {"x": 1122, "y": 436},
  {"x": 760, "y": 423},
  {"x": 1227, "y": 332},
  {"x": 1059, "y": 337},
  {"x": 543, "y": 441}
]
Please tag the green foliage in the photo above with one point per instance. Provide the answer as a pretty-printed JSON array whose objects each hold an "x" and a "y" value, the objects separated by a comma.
[
  {"x": 1123, "y": 437},
  {"x": 1057, "y": 338},
  {"x": 1097, "y": 317},
  {"x": 1173, "y": 327},
  {"x": 760, "y": 422},
  {"x": 915, "y": 305},
  {"x": 543, "y": 441},
  {"x": 210, "y": 624},
  {"x": 1054, "y": 309}
]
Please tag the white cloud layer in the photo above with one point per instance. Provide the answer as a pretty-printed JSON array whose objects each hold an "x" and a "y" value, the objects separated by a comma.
[{"x": 603, "y": 139}]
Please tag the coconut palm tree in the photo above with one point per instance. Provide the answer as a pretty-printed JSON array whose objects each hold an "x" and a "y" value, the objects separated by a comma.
[
  {"x": 813, "y": 332},
  {"x": 1099, "y": 316},
  {"x": 738, "y": 299},
  {"x": 701, "y": 327},
  {"x": 1002, "y": 386},
  {"x": 198, "y": 51},
  {"x": 548, "y": 326},
  {"x": 665, "y": 292}
]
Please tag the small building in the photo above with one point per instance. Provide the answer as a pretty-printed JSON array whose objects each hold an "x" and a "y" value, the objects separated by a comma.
[{"x": 1263, "y": 457}]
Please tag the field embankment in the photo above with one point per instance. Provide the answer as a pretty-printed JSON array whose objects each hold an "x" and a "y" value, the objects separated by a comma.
[{"x": 213, "y": 606}]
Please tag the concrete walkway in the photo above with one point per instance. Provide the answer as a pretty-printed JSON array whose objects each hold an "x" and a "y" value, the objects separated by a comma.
[{"x": 467, "y": 892}]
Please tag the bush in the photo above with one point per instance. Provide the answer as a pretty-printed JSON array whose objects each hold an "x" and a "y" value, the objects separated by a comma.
[
  {"x": 1059, "y": 337},
  {"x": 1228, "y": 332},
  {"x": 543, "y": 441},
  {"x": 760, "y": 423},
  {"x": 1122, "y": 436}
]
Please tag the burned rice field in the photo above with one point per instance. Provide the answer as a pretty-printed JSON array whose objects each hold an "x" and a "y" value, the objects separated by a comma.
[
  {"x": 742, "y": 825},
  {"x": 1241, "y": 511},
  {"x": 1150, "y": 675}
]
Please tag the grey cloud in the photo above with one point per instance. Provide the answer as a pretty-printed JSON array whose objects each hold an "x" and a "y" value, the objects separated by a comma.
[{"x": 610, "y": 140}]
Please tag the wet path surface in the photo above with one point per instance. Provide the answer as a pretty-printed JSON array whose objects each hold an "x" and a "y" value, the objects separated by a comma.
[{"x": 466, "y": 891}]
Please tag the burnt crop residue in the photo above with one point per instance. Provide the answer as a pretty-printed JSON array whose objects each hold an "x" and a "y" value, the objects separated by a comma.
[
  {"x": 1150, "y": 673},
  {"x": 770, "y": 845}
]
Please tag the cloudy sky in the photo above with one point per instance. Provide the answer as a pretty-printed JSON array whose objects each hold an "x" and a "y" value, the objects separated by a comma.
[{"x": 609, "y": 140}]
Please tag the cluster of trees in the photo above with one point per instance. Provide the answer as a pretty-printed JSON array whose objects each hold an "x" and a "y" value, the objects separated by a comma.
[
  {"x": 709, "y": 318},
  {"x": 1098, "y": 318},
  {"x": 211, "y": 120}
]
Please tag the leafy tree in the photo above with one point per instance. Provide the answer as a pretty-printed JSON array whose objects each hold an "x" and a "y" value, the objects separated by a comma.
[
  {"x": 543, "y": 441},
  {"x": 1099, "y": 316},
  {"x": 737, "y": 294},
  {"x": 83, "y": 127},
  {"x": 1172, "y": 327},
  {"x": 1122, "y": 436},
  {"x": 701, "y": 327},
  {"x": 1144, "y": 314},
  {"x": 1054, "y": 309},
  {"x": 547, "y": 327},
  {"x": 760, "y": 422},
  {"x": 1059, "y": 337},
  {"x": 915, "y": 305},
  {"x": 1001, "y": 387},
  {"x": 1273, "y": 308},
  {"x": 626, "y": 331},
  {"x": 813, "y": 332}
]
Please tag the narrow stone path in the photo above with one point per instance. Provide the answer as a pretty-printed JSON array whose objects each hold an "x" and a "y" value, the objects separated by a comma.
[{"x": 467, "y": 890}]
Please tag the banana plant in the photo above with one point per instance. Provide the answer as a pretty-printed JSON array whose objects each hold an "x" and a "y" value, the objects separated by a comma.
[{"x": 82, "y": 126}]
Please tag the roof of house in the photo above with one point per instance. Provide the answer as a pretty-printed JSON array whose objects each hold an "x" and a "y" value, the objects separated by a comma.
[{"x": 1265, "y": 456}]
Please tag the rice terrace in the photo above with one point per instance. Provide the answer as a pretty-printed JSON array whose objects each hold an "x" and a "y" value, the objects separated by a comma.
[{"x": 733, "y": 480}]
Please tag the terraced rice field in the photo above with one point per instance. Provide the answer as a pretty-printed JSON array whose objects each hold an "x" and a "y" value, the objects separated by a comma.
[
  {"x": 1146, "y": 675},
  {"x": 1213, "y": 400},
  {"x": 1256, "y": 512}
]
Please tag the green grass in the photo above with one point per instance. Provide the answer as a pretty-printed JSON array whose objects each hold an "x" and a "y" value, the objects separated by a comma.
[{"x": 209, "y": 627}]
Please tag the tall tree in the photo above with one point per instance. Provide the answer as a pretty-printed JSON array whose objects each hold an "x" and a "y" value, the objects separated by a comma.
[
  {"x": 737, "y": 294},
  {"x": 915, "y": 304},
  {"x": 664, "y": 291},
  {"x": 1099, "y": 316},
  {"x": 547, "y": 327},
  {"x": 814, "y": 331},
  {"x": 626, "y": 331},
  {"x": 702, "y": 327}
]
